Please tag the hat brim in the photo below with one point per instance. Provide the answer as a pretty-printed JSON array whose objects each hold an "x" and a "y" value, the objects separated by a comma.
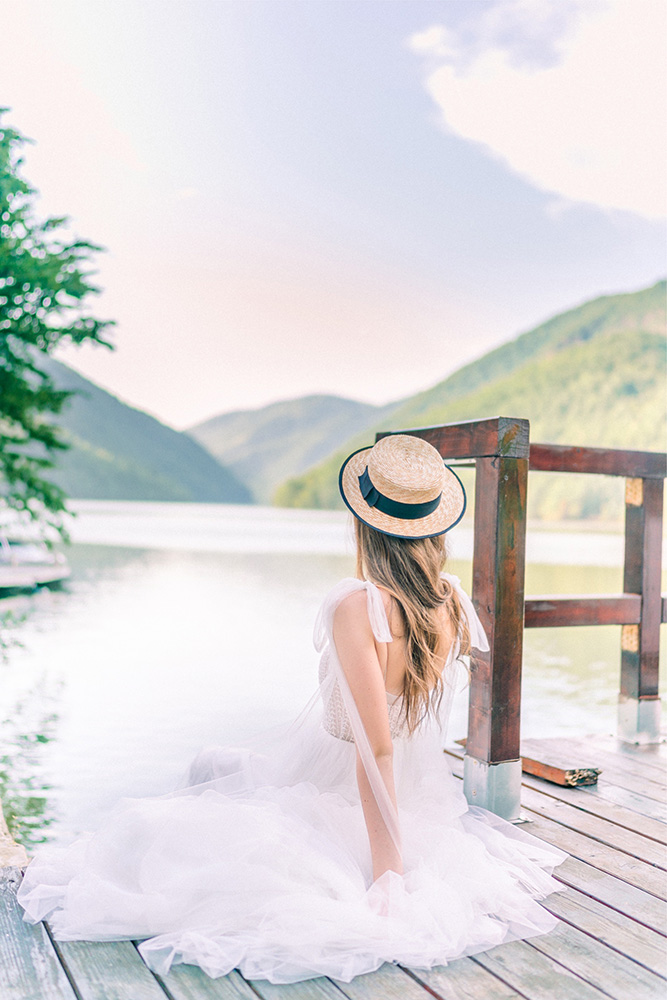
[{"x": 448, "y": 513}]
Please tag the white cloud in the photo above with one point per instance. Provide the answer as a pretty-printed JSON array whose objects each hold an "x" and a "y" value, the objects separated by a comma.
[{"x": 572, "y": 96}]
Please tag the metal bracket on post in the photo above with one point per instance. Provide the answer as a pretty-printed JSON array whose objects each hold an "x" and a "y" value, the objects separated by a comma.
[
  {"x": 496, "y": 787},
  {"x": 639, "y": 720}
]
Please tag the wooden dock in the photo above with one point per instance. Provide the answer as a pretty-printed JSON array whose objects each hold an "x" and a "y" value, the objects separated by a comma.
[{"x": 612, "y": 941}]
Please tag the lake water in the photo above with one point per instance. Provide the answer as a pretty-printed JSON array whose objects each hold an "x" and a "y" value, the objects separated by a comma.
[{"x": 188, "y": 624}]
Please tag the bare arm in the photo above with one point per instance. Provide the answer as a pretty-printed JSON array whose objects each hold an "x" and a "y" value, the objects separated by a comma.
[{"x": 355, "y": 645}]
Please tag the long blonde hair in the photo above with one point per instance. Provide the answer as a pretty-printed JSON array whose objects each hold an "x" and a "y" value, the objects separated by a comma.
[{"x": 409, "y": 569}]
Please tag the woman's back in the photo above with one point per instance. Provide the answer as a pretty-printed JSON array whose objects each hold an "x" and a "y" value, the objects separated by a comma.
[{"x": 393, "y": 656}]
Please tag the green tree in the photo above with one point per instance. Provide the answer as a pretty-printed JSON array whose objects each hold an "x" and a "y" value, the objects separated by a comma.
[{"x": 45, "y": 287}]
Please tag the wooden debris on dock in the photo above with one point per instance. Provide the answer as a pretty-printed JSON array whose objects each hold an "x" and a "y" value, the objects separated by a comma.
[{"x": 546, "y": 759}]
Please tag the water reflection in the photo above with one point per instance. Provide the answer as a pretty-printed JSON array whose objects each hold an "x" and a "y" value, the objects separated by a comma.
[{"x": 25, "y": 792}]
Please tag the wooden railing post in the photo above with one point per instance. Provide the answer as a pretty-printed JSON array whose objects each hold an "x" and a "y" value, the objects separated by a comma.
[
  {"x": 639, "y": 703},
  {"x": 492, "y": 765},
  {"x": 500, "y": 448}
]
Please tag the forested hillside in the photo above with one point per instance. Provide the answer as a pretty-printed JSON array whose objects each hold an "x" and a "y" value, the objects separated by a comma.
[
  {"x": 266, "y": 445},
  {"x": 119, "y": 453},
  {"x": 594, "y": 375}
]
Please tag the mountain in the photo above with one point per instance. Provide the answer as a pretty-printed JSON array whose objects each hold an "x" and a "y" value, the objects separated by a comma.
[
  {"x": 594, "y": 375},
  {"x": 119, "y": 453},
  {"x": 264, "y": 446}
]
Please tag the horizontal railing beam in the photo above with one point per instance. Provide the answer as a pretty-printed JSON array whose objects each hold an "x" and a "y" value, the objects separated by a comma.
[
  {"x": 584, "y": 609},
  {"x": 603, "y": 461},
  {"x": 506, "y": 437}
]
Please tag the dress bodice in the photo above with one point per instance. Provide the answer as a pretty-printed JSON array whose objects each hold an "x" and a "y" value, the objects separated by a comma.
[{"x": 335, "y": 719}]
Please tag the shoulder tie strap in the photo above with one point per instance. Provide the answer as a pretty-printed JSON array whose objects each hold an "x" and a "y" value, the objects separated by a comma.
[{"x": 477, "y": 634}]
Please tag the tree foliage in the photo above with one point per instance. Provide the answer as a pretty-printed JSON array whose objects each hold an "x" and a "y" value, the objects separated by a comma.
[{"x": 45, "y": 287}]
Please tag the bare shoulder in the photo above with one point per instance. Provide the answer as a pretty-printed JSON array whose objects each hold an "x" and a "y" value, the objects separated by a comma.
[
  {"x": 352, "y": 607},
  {"x": 351, "y": 614}
]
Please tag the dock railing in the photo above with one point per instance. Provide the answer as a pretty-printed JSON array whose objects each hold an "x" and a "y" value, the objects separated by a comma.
[{"x": 502, "y": 454}]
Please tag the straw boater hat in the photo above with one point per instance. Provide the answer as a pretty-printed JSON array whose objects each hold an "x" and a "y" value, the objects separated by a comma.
[{"x": 402, "y": 487}]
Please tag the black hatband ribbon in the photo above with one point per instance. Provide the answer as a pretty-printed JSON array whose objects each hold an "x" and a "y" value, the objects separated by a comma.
[{"x": 404, "y": 511}]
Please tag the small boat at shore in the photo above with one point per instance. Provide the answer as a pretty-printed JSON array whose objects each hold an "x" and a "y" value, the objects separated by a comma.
[{"x": 27, "y": 563}]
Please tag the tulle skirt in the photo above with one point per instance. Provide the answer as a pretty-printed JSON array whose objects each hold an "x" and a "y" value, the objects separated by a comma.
[{"x": 261, "y": 862}]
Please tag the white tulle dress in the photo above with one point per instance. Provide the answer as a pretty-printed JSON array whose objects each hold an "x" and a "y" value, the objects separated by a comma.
[{"x": 262, "y": 862}]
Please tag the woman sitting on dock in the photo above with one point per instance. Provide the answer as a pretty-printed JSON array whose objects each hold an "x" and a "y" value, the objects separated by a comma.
[{"x": 346, "y": 842}]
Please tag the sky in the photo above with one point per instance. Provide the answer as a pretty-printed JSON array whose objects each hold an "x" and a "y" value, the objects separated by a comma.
[{"x": 342, "y": 196}]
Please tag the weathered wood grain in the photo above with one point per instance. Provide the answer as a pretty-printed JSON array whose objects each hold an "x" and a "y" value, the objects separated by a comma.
[
  {"x": 584, "y": 799},
  {"x": 535, "y": 975},
  {"x": 642, "y": 804},
  {"x": 617, "y": 759},
  {"x": 498, "y": 590},
  {"x": 650, "y": 751},
  {"x": 564, "y": 752},
  {"x": 475, "y": 438},
  {"x": 189, "y": 982},
  {"x": 389, "y": 983},
  {"x": 642, "y": 575},
  {"x": 604, "y": 461},
  {"x": 594, "y": 827},
  {"x": 598, "y": 964},
  {"x": 615, "y": 929},
  {"x": 29, "y": 966},
  {"x": 646, "y": 779},
  {"x": 647, "y": 826},
  {"x": 640, "y": 784},
  {"x": 641, "y": 906},
  {"x": 464, "y": 980},
  {"x": 585, "y": 609},
  {"x": 561, "y": 772},
  {"x": 637, "y": 873},
  {"x": 310, "y": 989},
  {"x": 108, "y": 970}
]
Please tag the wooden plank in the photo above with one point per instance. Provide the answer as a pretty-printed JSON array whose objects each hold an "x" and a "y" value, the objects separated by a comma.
[
  {"x": 464, "y": 979},
  {"x": 642, "y": 575},
  {"x": 535, "y": 975},
  {"x": 630, "y": 763},
  {"x": 596, "y": 828},
  {"x": 614, "y": 892},
  {"x": 560, "y": 750},
  {"x": 643, "y": 785},
  {"x": 646, "y": 755},
  {"x": 615, "y": 929},
  {"x": 309, "y": 989},
  {"x": 589, "y": 801},
  {"x": 594, "y": 962},
  {"x": 582, "y": 798},
  {"x": 498, "y": 589},
  {"x": 623, "y": 866},
  {"x": 108, "y": 970},
  {"x": 189, "y": 982},
  {"x": 646, "y": 779},
  {"x": 29, "y": 965},
  {"x": 389, "y": 983},
  {"x": 604, "y": 461},
  {"x": 571, "y": 777},
  {"x": 630, "y": 800},
  {"x": 475, "y": 438},
  {"x": 582, "y": 609}
]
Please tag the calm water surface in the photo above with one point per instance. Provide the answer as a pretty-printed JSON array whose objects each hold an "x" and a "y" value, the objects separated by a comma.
[{"x": 190, "y": 624}]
